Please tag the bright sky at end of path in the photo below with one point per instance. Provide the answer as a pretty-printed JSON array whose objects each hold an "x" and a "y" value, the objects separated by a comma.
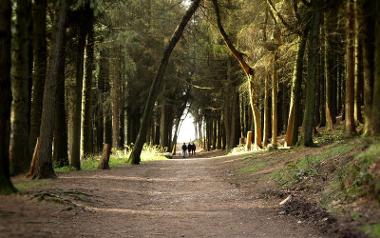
[{"x": 187, "y": 130}]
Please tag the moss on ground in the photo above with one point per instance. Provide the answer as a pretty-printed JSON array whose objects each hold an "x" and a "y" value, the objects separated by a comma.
[{"x": 373, "y": 230}]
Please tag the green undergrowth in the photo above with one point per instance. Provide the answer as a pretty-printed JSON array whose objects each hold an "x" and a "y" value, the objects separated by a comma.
[
  {"x": 361, "y": 175},
  {"x": 309, "y": 166},
  {"x": 118, "y": 158},
  {"x": 255, "y": 166},
  {"x": 29, "y": 184},
  {"x": 373, "y": 230}
]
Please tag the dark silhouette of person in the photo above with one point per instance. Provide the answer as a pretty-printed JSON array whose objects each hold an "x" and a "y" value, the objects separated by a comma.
[
  {"x": 193, "y": 148},
  {"x": 184, "y": 150},
  {"x": 189, "y": 148}
]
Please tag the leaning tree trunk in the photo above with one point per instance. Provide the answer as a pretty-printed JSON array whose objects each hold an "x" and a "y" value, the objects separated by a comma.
[
  {"x": 19, "y": 149},
  {"x": 156, "y": 87},
  {"x": 247, "y": 70},
  {"x": 291, "y": 136},
  {"x": 39, "y": 68},
  {"x": 6, "y": 186},
  {"x": 44, "y": 165},
  {"x": 313, "y": 58}
]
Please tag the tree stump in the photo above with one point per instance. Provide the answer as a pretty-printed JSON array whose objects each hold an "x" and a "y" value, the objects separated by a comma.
[
  {"x": 36, "y": 154},
  {"x": 249, "y": 141},
  {"x": 105, "y": 157}
]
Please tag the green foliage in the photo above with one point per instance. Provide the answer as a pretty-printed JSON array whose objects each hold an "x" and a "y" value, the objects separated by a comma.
[
  {"x": 309, "y": 166},
  {"x": 361, "y": 176},
  {"x": 118, "y": 158},
  {"x": 255, "y": 166},
  {"x": 26, "y": 185},
  {"x": 373, "y": 230}
]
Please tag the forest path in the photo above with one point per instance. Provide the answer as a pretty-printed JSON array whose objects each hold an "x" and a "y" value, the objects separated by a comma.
[{"x": 197, "y": 197}]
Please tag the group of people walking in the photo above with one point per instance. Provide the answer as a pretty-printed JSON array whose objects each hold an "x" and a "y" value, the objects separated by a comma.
[{"x": 188, "y": 150}]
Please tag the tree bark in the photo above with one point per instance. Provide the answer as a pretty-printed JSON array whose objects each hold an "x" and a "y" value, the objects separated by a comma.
[
  {"x": 77, "y": 106},
  {"x": 313, "y": 58},
  {"x": 156, "y": 86},
  {"x": 39, "y": 75},
  {"x": 375, "y": 127},
  {"x": 368, "y": 62},
  {"x": 44, "y": 168},
  {"x": 291, "y": 136},
  {"x": 274, "y": 101},
  {"x": 60, "y": 154},
  {"x": 6, "y": 185},
  {"x": 87, "y": 128},
  {"x": 330, "y": 68},
  {"x": 266, "y": 111},
  {"x": 350, "y": 79},
  {"x": 19, "y": 150}
]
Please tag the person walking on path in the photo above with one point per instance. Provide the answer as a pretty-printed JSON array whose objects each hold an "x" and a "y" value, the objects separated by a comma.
[
  {"x": 184, "y": 150},
  {"x": 189, "y": 148},
  {"x": 193, "y": 148}
]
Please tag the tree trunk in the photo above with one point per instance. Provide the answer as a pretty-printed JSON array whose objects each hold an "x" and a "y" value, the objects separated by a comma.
[
  {"x": 44, "y": 168},
  {"x": 313, "y": 58},
  {"x": 6, "y": 186},
  {"x": 19, "y": 150},
  {"x": 77, "y": 107},
  {"x": 274, "y": 101},
  {"x": 116, "y": 85},
  {"x": 330, "y": 68},
  {"x": 104, "y": 162},
  {"x": 368, "y": 63},
  {"x": 60, "y": 154},
  {"x": 39, "y": 75},
  {"x": 266, "y": 111},
  {"x": 156, "y": 87},
  {"x": 375, "y": 128},
  {"x": 87, "y": 132},
  {"x": 291, "y": 136},
  {"x": 350, "y": 79}
]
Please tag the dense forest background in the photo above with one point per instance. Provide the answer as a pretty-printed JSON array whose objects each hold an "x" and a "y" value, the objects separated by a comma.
[{"x": 75, "y": 75}]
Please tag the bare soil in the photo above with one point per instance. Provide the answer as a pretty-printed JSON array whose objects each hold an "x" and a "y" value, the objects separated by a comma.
[{"x": 194, "y": 197}]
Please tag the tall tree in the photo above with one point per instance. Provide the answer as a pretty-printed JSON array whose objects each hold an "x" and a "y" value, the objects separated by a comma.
[
  {"x": 44, "y": 165},
  {"x": 313, "y": 59},
  {"x": 157, "y": 84},
  {"x": 87, "y": 135},
  {"x": 350, "y": 61},
  {"x": 6, "y": 186},
  {"x": 20, "y": 157},
  {"x": 39, "y": 68}
]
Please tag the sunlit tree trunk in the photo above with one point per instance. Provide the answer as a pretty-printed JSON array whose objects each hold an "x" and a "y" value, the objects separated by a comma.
[
  {"x": 266, "y": 111},
  {"x": 6, "y": 186},
  {"x": 274, "y": 101},
  {"x": 291, "y": 136}
]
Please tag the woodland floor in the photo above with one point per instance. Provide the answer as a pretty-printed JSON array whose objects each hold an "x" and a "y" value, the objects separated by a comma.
[{"x": 196, "y": 197}]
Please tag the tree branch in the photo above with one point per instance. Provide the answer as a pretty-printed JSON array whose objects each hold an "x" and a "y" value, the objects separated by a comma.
[{"x": 236, "y": 53}]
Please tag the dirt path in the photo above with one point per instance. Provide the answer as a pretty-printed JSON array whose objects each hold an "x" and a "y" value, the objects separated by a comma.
[{"x": 174, "y": 198}]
